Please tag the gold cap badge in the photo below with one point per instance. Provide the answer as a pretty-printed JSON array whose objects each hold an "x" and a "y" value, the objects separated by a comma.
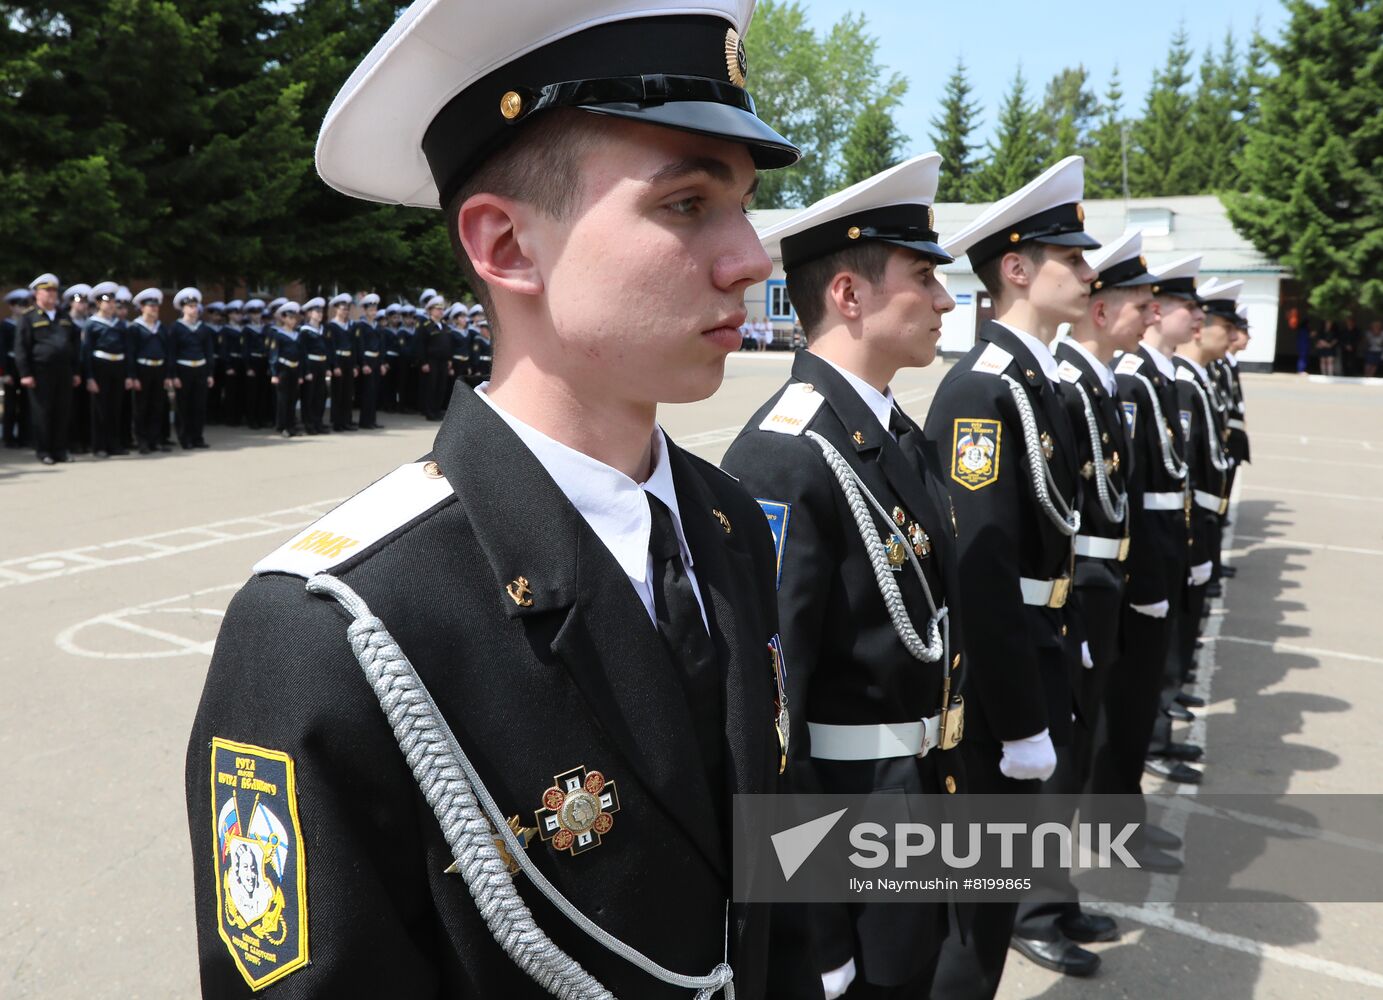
[
  {"x": 511, "y": 105},
  {"x": 736, "y": 60}
]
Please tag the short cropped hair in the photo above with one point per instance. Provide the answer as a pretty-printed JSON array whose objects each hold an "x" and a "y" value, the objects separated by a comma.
[
  {"x": 807, "y": 283},
  {"x": 540, "y": 166},
  {"x": 989, "y": 271}
]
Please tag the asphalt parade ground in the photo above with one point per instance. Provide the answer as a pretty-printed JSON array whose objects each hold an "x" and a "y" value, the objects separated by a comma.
[{"x": 114, "y": 576}]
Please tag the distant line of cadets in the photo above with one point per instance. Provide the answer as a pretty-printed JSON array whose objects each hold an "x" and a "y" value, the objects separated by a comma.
[{"x": 95, "y": 369}]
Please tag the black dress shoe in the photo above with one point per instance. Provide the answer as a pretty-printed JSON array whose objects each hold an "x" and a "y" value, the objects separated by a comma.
[
  {"x": 1177, "y": 751},
  {"x": 1178, "y": 712},
  {"x": 1229, "y": 572},
  {"x": 144, "y": 449},
  {"x": 1189, "y": 700},
  {"x": 1088, "y": 927},
  {"x": 1154, "y": 836},
  {"x": 1156, "y": 860},
  {"x": 1063, "y": 956},
  {"x": 1172, "y": 770},
  {"x": 201, "y": 444}
]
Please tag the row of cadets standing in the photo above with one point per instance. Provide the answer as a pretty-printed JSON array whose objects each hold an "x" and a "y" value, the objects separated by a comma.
[
  {"x": 108, "y": 369},
  {"x": 874, "y": 668},
  {"x": 368, "y": 340},
  {"x": 15, "y": 430}
]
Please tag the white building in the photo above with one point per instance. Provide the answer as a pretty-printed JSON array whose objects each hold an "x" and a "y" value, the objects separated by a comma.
[{"x": 1172, "y": 228}]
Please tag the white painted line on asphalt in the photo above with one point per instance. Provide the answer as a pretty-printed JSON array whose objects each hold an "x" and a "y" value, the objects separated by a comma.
[
  {"x": 1321, "y": 546},
  {"x": 188, "y": 645},
  {"x": 1316, "y": 442},
  {"x": 49, "y": 565},
  {"x": 1354, "y": 497},
  {"x": 1278, "y": 646},
  {"x": 1282, "y": 826},
  {"x": 1310, "y": 460},
  {"x": 166, "y": 644},
  {"x": 1248, "y": 946}
]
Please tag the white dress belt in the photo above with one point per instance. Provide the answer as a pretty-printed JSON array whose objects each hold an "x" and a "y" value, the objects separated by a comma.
[
  {"x": 1236, "y": 424},
  {"x": 187, "y": 362},
  {"x": 889, "y": 739},
  {"x": 1207, "y": 501},
  {"x": 1045, "y": 593},
  {"x": 345, "y": 354},
  {"x": 107, "y": 356},
  {"x": 287, "y": 364},
  {"x": 1097, "y": 547},
  {"x": 316, "y": 357},
  {"x": 1164, "y": 501},
  {"x": 370, "y": 354},
  {"x": 152, "y": 362}
]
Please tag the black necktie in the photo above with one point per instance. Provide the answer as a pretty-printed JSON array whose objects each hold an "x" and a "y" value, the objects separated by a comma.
[{"x": 688, "y": 643}]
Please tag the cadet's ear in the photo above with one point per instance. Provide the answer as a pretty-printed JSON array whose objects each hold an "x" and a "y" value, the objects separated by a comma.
[
  {"x": 492, "y": 229},
  {"x": 1099, "y": 311},
  {"x": 843, "y": 294},
  {"x": 1015, "y": 269}
]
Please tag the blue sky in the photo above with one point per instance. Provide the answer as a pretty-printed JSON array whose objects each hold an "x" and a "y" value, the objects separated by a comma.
[{"x": 921, "y": 39}]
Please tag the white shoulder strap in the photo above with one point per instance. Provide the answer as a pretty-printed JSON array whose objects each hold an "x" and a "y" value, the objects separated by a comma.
[
  {"x": 1068, "y": 372},
  {"x": 359, "y": 522},
  {"x": 1129, "y": 364},
  {"x": 992, "y": 360},
  {"x": 793, "y": 411}
]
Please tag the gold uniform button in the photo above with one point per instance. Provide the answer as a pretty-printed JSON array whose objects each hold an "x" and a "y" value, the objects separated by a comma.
[
  {"x": 1064, "y": 630},
  {"x": 950, "y": 784},
  {"x": 432, "y": 470}
]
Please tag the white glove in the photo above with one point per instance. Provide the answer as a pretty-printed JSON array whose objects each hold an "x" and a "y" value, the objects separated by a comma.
[
  {"x": 1086, "y": 660},
  {"x": 1034, "y": 757},
  {"x": 1158, "y": 610},
  {"x": 837, "y": 982},
  {"x": 1200, "y": 575}
]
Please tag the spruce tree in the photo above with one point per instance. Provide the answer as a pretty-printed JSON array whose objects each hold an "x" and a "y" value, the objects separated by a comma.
[
  {"x": 1068, "y": 113},
  {"x": 1104, "y": 158},
  {"x": 1019, "y": 153},
  {"x": 1162, "y": 155},
  {"x": 1215, "y": 126},
  {"x": 951, "y": 135},
  {"x": 1313, "y": 196},
  {"x": 874, "y": 144}
]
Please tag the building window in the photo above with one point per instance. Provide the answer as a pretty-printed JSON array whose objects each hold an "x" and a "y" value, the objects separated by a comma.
[
  {"x": 1152, "y": 221},
  {"x": 779, "y": 305}
]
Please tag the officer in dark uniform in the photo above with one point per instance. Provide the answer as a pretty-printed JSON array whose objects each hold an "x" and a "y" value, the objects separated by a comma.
[
  {"x": 287, "y": 367},
  {"x": 214, "y": 319},
  {"x": 345, "y": 362},
  {"x": 631, "y": 623},
  {"x": 46, "y": 355},
  {"x": 1051, "y": 924},
  {"x": 1013, "y": 469},
  {"x": 254, "y": 361},
  {"x": 193, "y": 348},
  {"x": 368, "y": 336},
  {"x": 1221, "y": 299},
  {"x": 432, "y": 350},
  {"x": 16, "y": 422},
  {"x": 1156, "y": 564},
  {"x": 316, "y": 364},
  {"x": 482, "y": 350},
  {"x": 1238, "y": 444},
  {"x": 872, "y": 706},
  {"x": 77, "y": 301},
  {"x": 149, "y": 340},
  {"x": 231, "y": 365},
  {"x": 108, "y": 368}
]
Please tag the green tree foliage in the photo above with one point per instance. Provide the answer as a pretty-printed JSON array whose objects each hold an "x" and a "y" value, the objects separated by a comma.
[
  {"x": 1020, "y": 152},
  {"x": 814, "y": 88},
  {"x": 874, "y": 143},
  {"x": 1311, "y": 166},
  {"x": 952, "y": 131},
  {"x": 1104, "y": 159},
  {"x": 1068, "y": 114},
  {"x": 1214, "y": 124},
  {"x": 1162, "y": 157}
]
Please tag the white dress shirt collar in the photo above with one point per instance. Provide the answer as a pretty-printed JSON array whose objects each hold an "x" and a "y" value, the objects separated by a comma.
[
  {"x": 1233, "y": 360},
  {"x": 1100, "y": 368},
  {"x": 1198, "y": 368},
  {"x": 611, "y": 503},
  {"x": 1039, "y": 350},
  {"x": 880, "y": 403},
  {"x": 1163, "y": 363}
]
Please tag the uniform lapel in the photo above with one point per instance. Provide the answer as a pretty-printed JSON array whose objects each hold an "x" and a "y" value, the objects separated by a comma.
[{"x": 602, "y": 633}]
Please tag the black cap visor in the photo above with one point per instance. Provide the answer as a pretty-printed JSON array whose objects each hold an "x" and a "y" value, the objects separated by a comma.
[{"x": 719, "y": 121}]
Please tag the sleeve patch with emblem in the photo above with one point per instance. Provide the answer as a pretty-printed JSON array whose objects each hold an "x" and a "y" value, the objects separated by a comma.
[
  {"x": 778, "y": 513},
  {"x": 257, "y": 847},
  {"x": 975, "y": 452},
  {"x": 1186, "y": 423},
  {"x": 1131, "y": 418}
]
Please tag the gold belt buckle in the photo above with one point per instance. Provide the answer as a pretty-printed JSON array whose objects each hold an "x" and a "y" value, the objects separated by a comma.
[
  {"x": 1123, "y": 548},
  {"x": 953, "y": 724},
  {"x": 1061, "y": 589},
  {"x": 1224, "y": 506}
]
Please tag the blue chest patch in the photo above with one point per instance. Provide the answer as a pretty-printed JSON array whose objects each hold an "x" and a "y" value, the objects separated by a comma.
[
  {"x": 1131, "y": 418},
  {"x": 778, "y": 514}
]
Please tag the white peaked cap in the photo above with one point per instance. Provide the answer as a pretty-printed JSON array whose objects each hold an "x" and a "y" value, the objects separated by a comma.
[{"x": 1036, "y": 211}]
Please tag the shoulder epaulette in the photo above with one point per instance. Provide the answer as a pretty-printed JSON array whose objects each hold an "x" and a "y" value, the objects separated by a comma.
[
  {"x": 1129, "y": 364},
  {"x": 992, "y": 360},
  {"x": 794, "y": 410}
]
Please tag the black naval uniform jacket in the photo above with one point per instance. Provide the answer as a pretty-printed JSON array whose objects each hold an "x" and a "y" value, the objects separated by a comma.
[
  {"x": 1017, "y": 664},
  {"x": 1100, "y": 617},
  {"x": 845, "y": 662},
  {"x": 1159, "y": 538},
  {"x": 1232, "y": 390},
  {"x": 192, "y": 344},
  {"x": 431, "y": 344},
  {"x": 41, "y": 342},
  {"x": 341, "y": 345},
  {"x": 575, "y": 677},
  {"x": 1204, "y": 439}
]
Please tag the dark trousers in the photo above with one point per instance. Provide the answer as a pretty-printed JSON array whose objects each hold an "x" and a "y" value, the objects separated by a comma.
[
  {"x": 149, "y": 404},
  {"x": 215, "y": 396},
  {"x": 79, "y": 420},
  {"x": 232, "y": 397},
  {"x": 16, "y": 427},
  {"x": 126, "y": 424},
  {"x": 970, "y": 969},
  {"x": 107, "y": 404},
  {"x": 256, "y": 394},
  {"x": 342, "y": 397},
  {"x": 286, "y": 399},
  {"x": 191, "y": 401},
  {"x": 368, "y": 392},
  {"x": 1185, "y": 624},
  {"x": 433, "y": 390},
  {"x": 50, "y": 406},
  {"x": 314, "y": 396},
  {"x": 389, "y": 385},
  {"x": 919, "y": 988}
]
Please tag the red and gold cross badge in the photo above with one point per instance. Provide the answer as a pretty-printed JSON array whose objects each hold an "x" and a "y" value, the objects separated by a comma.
[{"x": 577, "y": 810}]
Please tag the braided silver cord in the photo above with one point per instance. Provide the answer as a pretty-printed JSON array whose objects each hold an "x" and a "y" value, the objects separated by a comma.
[
  {"x": 1103, "y": 484},
  {"x": 1171, "y": 461},
  {"x": 936, "y": 645},
  {"x": 1067, "y": 521},
  {"x": 1217, "y": 455},
  {"x": 462, "y": 803}
]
